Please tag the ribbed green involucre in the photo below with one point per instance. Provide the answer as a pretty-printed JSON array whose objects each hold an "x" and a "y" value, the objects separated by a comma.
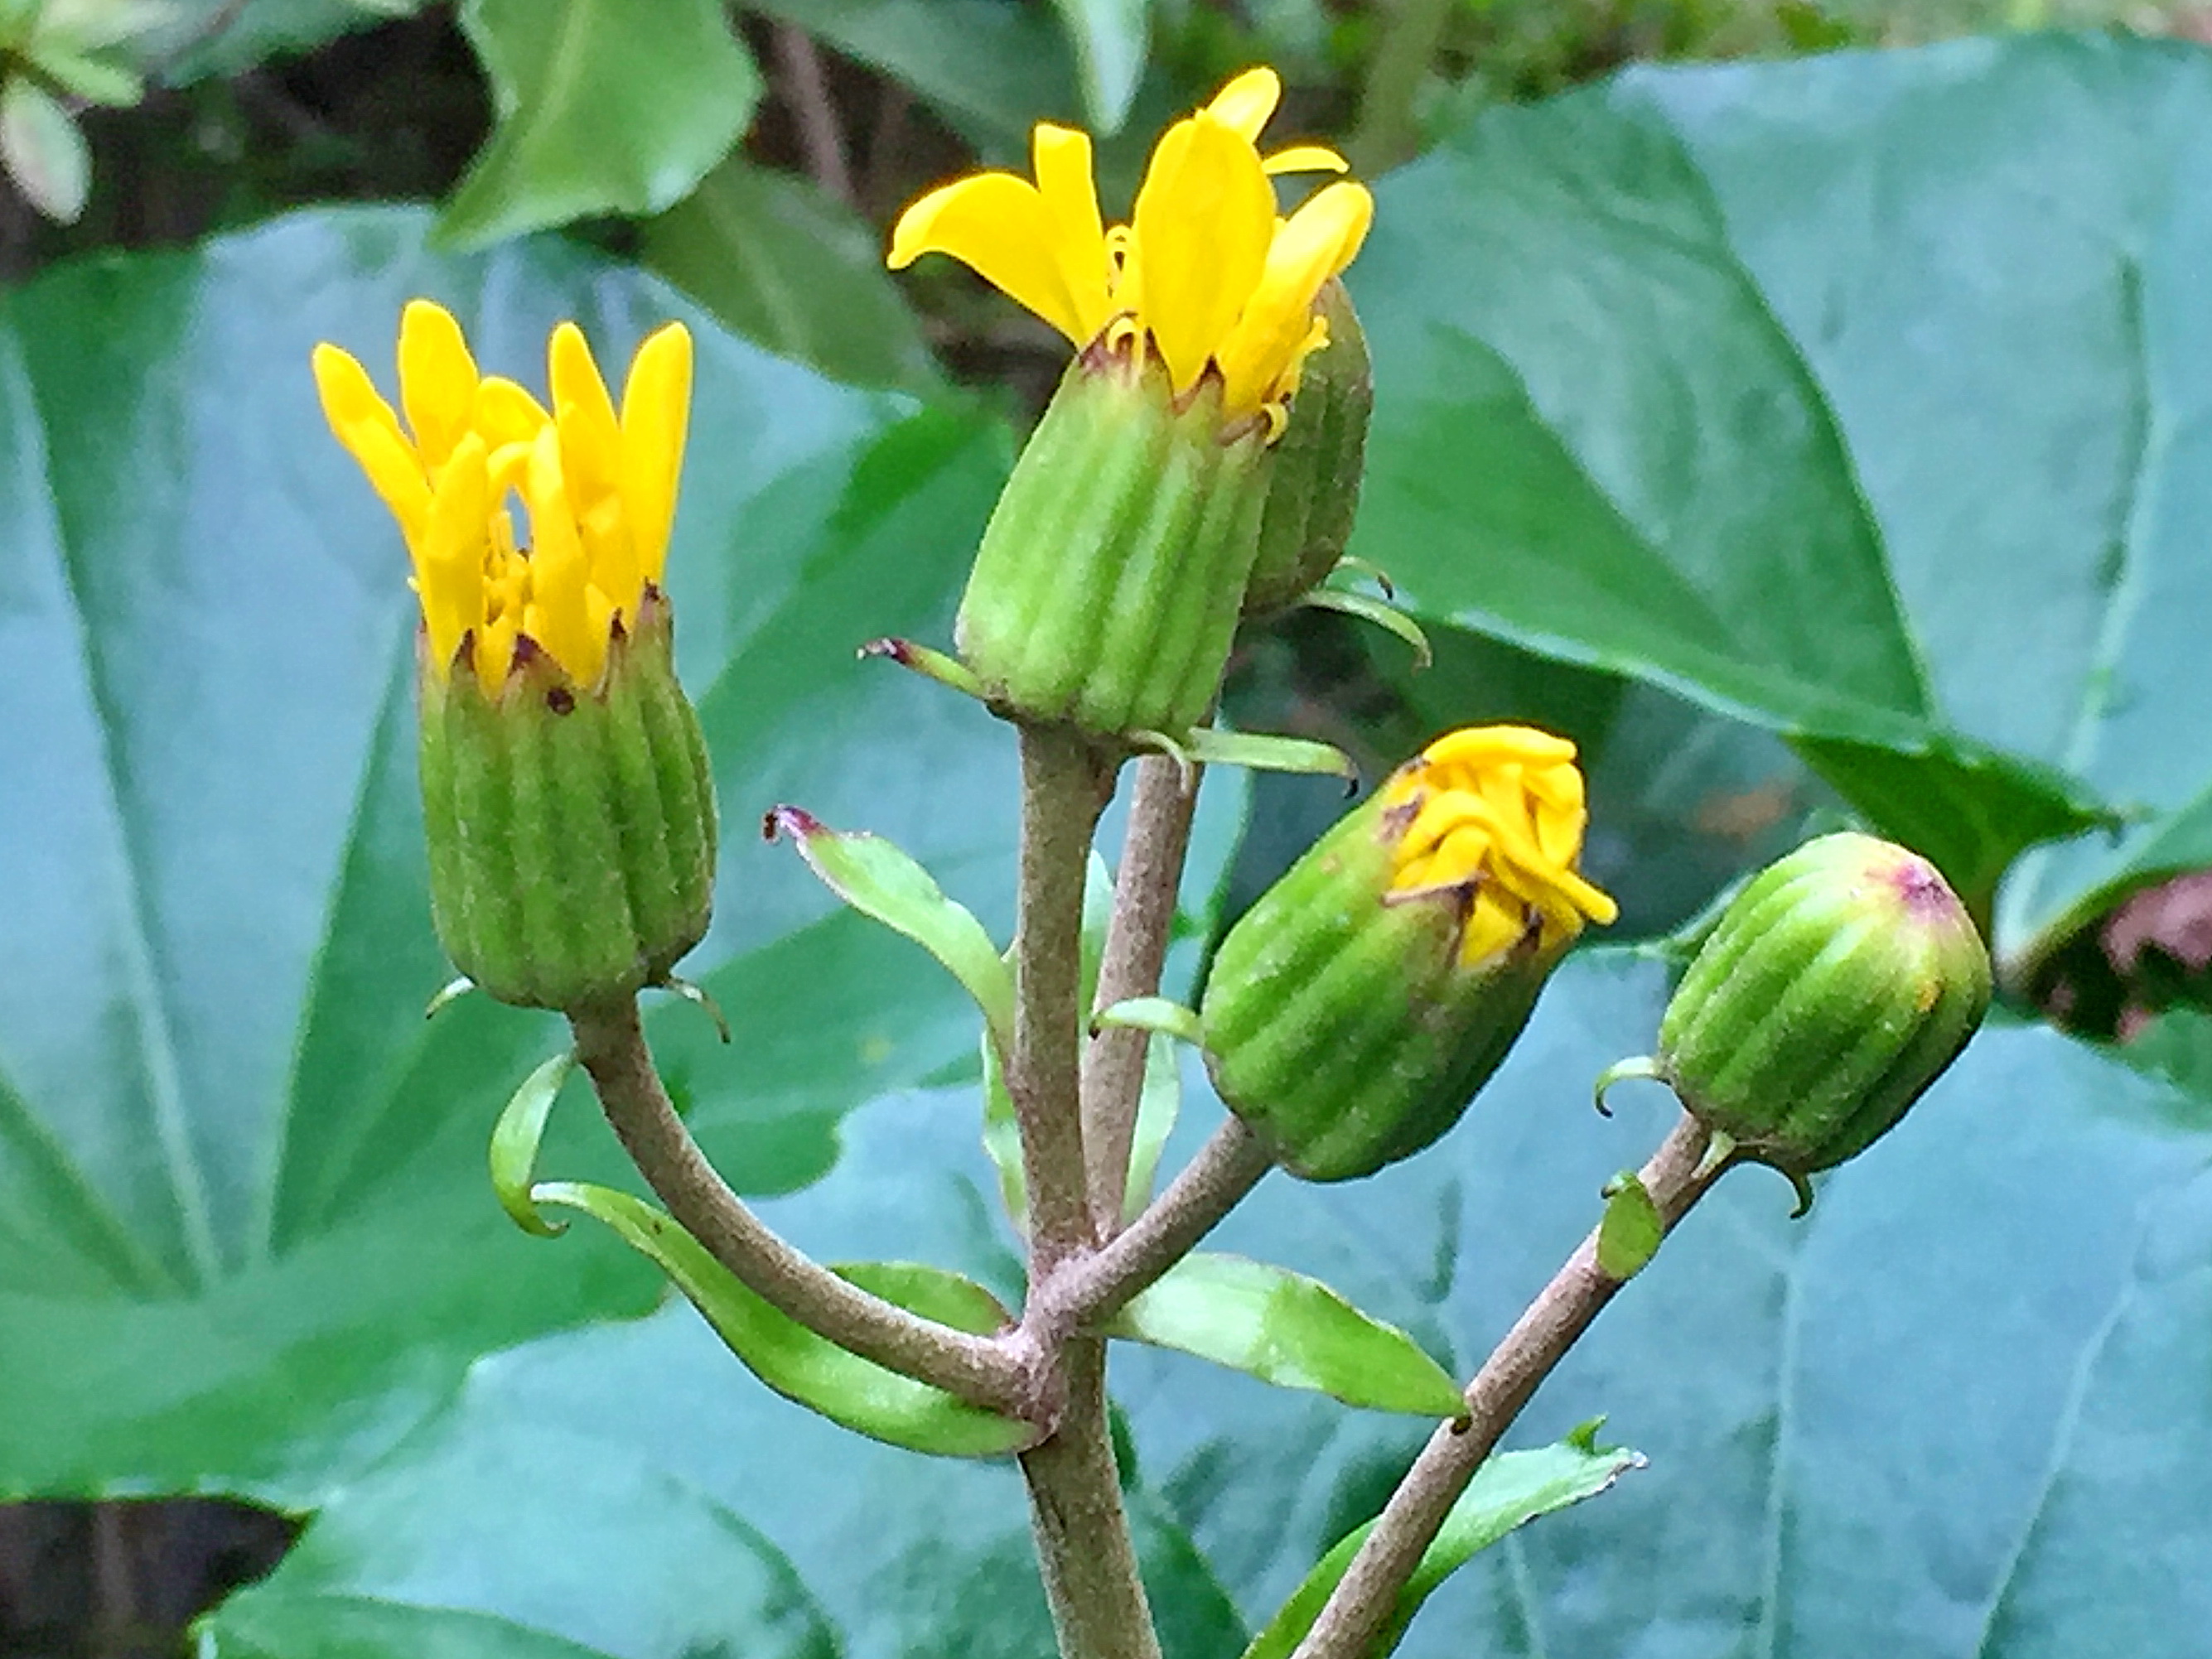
[
  {"x": 1834, "y": 989},
  {"x": 1339, "y": 1022},
  {"x": 1318, "y": 462},
  {"x": 1107, "y": 589},
  {"x": 571, "y": 830}
]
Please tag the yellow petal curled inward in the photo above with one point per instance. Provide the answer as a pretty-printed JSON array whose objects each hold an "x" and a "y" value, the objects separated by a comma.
[
  {"x": 558, "y": 616},
  {"x": 1498, "y": 810},
  {"x": 505, "y": 414},
  {"x": 591, "y": 437}
]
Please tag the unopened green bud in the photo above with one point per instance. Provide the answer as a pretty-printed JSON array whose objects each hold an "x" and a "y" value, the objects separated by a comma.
[
  {"x": 1354, "y": 1010},
  {"x": 1833, "y": 990},
  {"x": 1318, "y": 462},
  {"x": 1107, "y": 589},
  {"x": 571, "y": 827}
]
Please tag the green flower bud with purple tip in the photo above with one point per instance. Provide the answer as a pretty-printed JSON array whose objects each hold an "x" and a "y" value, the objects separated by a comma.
[{"x": 1835, "y": 988}]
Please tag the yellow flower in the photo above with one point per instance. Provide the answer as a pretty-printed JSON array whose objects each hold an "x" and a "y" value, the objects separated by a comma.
[
  {"x": 599, "y": 486},
  {"x": 1205, "y": 270},
  {"x": 1497, "y": 809}
]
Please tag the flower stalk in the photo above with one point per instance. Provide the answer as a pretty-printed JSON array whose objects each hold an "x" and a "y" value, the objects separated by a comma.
[
  {"x": 1146, "y": 883},
  {"x": 1676, "y": 1176},
  {"x": 610, "y": 1046}
]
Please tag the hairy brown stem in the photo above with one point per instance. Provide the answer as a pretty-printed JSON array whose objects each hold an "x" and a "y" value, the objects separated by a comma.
[
  {"x": 1152, "y": 853},
  {"x": 1676, "y": 1177},
  {"x": 1090, "y": 1287},
  {"x": 1084, "y": 1548},
  {"x": 1064, "y": 787},
  {"x": 610, "y": 1044}
]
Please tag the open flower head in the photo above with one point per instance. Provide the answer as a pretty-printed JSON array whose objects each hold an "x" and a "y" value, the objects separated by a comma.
[
  {"x": 1497, "y": 811},
  {"x": 598, "y": 485},
  {"x": 1207, "y": 273}
]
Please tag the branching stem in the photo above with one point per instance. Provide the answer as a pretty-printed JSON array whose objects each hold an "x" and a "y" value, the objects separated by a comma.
[
  {"x": 1083, "y": 1548},
  {"x": 610, "y": 1044},
  {"x": 1213, "y": 1183},
  {"x": 1152, "y": 853},
  {"x": 1676, "y": 1176},
  {"x": 1062, "y": 793}
]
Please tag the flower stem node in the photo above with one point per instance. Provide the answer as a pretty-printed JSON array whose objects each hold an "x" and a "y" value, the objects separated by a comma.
[
  {"x": 1318, "y": 463},
  {"x": 1110, "y": 577},
  {"x": 1835, "y": 988},
  {"x": 571, "y": 827},
  {"x": 1354, "y": 1010}
]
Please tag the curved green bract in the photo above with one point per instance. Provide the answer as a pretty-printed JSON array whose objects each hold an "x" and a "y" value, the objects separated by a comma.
[
  {"x": 886, "y": 884},
  {"x": 514, "y": 1141},
  {"x": 808, "y": 1369}
]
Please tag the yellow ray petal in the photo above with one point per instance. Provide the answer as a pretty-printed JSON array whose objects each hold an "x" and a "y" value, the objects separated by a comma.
[
  {"x": 1493, "y": 924},
  {"x": 505, "y": 414},
  {"x": 1487, "y": 745},
  {"x": 494, "y": 651},
  {"x": 1305, "y": 158},
  {"x": 1000, "y": 228},
  {"x": 1244, "y": 105},
  {"x": 437, "y": 380},
  {"x": 449, "y": 568},
  {"x": 365, "y": 424},
  {"x": 1197, "y": 241},
  {"x": 1314, "y": 245},
  {"x": 591, "y": 437},
  {"x": 1061, "y": 158},
  {"x": 656, "y": 413},
  {"x": 557, "y": 614}
]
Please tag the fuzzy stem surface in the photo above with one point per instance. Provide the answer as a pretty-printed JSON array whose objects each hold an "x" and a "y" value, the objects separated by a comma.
[
  {"x": 1152, "y": 853},
  {"x": 1213, "y": 1183},
  {"x": 1677, "y": 1176},
  {"x": 1064, "y": 789},
  {"x": 611, "y": 1047},
  {"x": 1084, "y": 1548},
  {"x": 1085, "y": 1552}
]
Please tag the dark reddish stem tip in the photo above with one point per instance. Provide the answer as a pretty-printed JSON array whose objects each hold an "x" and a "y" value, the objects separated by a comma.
[{"x": 799, "y": 824}]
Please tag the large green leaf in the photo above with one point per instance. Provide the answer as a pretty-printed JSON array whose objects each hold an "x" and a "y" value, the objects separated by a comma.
[
  {"x": 1950, "y": 1414},
  {"x": 1854, "y": 397},
  {"x": 989, "y": 70},
  {"x": 246, "y": 1234},
  {"x": 775, "y": 257},
  {"x": 603, "y": 107}
]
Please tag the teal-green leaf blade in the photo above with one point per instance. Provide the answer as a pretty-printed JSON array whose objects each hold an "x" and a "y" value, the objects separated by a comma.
[
  {"x": 1287, "y": 1329},
  {"x": 603, "y": 107}
]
